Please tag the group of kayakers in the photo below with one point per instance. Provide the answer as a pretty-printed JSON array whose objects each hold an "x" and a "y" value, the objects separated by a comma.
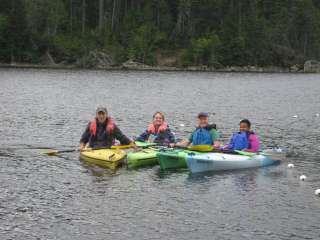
[{"x": 102, "y": 132}]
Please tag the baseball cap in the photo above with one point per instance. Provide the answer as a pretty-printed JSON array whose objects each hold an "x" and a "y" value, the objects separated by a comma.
[
  {"x": 203, "y": 114},
  {"x": 101, "y": 109}
]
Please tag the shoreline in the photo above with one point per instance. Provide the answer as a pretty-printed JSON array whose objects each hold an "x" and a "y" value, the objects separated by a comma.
[{"x": 142, "y": 67}]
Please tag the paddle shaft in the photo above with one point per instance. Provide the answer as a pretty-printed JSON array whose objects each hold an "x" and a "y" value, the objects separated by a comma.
[{"x": 75, "y": 150}]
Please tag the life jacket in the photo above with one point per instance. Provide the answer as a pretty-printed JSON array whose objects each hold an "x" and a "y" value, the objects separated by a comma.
[
  {"x": 162, "y": 128},
  {"x": 202, "y": 136},
  {"x": 109, "y": 126},
  {"x": 240, "y": 140}
]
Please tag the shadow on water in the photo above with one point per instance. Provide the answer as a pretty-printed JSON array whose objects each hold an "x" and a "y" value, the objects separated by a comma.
[
  {"x": 97, "y": 171},
  {"x": 210, "y": 174},
  {"x": 163, "y": 174}
]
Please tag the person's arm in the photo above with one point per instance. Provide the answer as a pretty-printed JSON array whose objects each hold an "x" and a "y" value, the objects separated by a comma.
[
  {"x": 124, "y": 140},
  {"x": 171, "y": 137},
  {"x": 215, "y": 138},
  {"x": 254, "y": 144},
  {"x": 183, "y": 143},
  {"x": 143, "y": 136},
  {"x": 85, "y": 137}
]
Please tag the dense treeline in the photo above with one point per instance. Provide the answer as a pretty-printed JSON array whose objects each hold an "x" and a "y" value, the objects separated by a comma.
[{"x": 194, "y": 32}]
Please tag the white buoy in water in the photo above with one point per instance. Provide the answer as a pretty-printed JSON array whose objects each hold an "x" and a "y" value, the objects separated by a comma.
[
  {"x": 317, "y": 192},
  {"x": 317, "y": 115},
  {"x": 181, "y": 125},
  {"x": 303, "y": 177},
  {"x": 290, "y": 165},
  {"x": 295, "y": 116}
]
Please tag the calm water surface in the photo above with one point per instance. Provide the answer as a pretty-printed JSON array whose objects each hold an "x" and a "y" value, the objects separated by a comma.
[{"x": 45, "y": 197}]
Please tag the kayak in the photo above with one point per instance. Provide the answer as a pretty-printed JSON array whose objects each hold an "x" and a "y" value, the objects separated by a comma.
[
  {"x": 222, "y": 161},
  {"x": 173, "y": 159},
  {"x": 106, "y": 158},
  {"x": 146, "y": 157},
  {"x": 137, "y": 143}
]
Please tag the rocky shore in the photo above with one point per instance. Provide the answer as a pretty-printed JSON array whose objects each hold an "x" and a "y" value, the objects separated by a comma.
[{"x": 105, "y": 64}]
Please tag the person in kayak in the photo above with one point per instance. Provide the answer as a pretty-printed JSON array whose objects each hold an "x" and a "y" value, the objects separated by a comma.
[
  {"x": 102, "y": 132},
  {"x": 158, "y": 131},
  {"x": 204, "y": 134},
  {"x": 244, "y": 140}
]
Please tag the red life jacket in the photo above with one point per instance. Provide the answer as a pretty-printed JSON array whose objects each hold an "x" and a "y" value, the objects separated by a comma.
[
  {"x": 162, "y": 128},
  {"x": 109, "y": 126}
]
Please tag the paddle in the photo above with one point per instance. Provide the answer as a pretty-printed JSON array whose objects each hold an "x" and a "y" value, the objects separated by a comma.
[
  {"x": 57, "y": 152},
  {"x": 138, "y": 144},
  {"x": 201, "y": 148},
  {"x": 210, "y": 148},
  {"x": 122, "y": 146},
  {"x": 198, "y": 148}
]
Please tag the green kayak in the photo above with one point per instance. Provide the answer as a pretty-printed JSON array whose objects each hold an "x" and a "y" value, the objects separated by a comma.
[
  {"x": 173, "y": 159},
  {"x": 146, "y": 157}
]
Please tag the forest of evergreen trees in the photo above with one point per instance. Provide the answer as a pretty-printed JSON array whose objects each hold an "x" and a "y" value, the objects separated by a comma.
[{"x": 197, "y": 32}]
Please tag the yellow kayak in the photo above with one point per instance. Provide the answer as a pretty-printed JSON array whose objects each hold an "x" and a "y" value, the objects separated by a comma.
[{"x": 106, "y": 158}]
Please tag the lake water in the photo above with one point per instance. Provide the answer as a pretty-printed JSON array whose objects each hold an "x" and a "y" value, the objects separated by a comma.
[{"x": 45, "y": 197}]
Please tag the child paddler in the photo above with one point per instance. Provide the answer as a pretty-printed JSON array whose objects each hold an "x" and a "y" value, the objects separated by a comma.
[{"x": 243, "y": 140}]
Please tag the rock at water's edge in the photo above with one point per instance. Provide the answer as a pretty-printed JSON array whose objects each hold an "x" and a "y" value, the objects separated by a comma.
[{"x": 312, "y": 66}]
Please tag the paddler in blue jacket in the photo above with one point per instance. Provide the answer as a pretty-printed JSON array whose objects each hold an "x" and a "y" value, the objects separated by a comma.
[{"x": 204, "y": 134}]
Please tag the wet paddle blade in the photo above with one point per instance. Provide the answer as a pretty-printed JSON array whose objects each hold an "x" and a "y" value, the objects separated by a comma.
[
  {"x": 201, "y": 148},
  {"x": 52, "y": 153}
]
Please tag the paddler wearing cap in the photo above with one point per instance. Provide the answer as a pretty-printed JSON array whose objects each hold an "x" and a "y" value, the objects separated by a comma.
[
  {"x": 204, "y": 134},
  {"x": 102, "y": 132}
]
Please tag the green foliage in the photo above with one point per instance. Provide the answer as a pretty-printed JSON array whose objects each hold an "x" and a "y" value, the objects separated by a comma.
[
  {"x": 3, "y": 23},
  {"x": 203, "y": 32},
  {"x": 144, "y": 43},
  {"x": 68, "y": 48},
  {"x": 202, "y": 51}
]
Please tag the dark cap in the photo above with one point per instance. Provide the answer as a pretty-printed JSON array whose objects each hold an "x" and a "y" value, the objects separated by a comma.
[
  {"x": 101, "y": 109},
  {"x": 203, "y": 114}
]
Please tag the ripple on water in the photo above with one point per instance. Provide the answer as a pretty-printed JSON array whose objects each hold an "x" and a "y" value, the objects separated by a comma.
[{"x": 45, "y": 197}]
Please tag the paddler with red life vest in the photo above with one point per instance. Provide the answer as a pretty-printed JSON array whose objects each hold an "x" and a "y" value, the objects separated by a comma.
[
  {"x": 102, "y": 132},
  {"x": 158, "y": 131}
]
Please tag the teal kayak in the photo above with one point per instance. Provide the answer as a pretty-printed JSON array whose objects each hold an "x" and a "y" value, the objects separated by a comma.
[{"x": 222, "y": 161}]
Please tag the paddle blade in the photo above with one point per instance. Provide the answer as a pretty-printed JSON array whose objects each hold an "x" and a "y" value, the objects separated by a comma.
[
  {"x": 201, "y": 148},
  {"x": 144, "y": 144},
  {"x": 52, "y": 153}
]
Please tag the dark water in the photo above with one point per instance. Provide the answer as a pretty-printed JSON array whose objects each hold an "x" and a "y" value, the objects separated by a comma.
[{"x": 45, "y": 197}]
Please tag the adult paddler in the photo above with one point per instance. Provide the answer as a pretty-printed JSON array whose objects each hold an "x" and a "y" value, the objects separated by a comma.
[
  {"x": 102, "y": 132},
  {"x": 204, "y": 134}
]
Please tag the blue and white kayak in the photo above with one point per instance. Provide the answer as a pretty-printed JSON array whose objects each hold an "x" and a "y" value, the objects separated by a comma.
[{"x": 222, "y": 161}]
